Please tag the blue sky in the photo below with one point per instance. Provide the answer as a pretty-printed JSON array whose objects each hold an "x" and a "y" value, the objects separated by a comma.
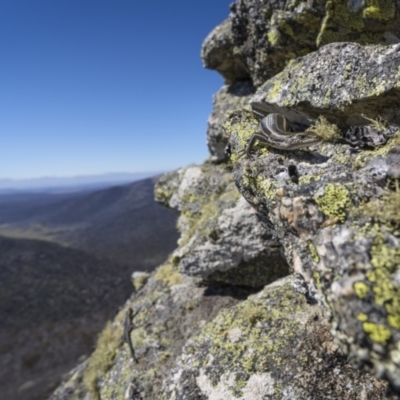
[{"x": 98, "y": 86}]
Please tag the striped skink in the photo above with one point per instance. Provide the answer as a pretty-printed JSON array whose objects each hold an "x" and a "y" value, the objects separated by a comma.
[{"x": 275, "y": 132}]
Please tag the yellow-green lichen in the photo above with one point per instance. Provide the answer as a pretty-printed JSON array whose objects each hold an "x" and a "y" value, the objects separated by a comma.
[
  {"x": 168, "y": 274},
  {"x": 383, "y": 10},
  {"x": 309, "y": 178},
  {"x": 325, "y": 130},
  {"x": 162, "y": 195},
  {"x": 256, "y": 314},
  {"x": 273, "y": 36},
  {"x": 335, "y": 201},
  {"x": 200, "y": 222},
  {"x": 317, "y": 279},
  {"x": 362, "y": 317},
  {"x": 237, "y": 340},
  {"x": 243, "y": 124},
  {"x": 342, "y": 22},
  {"x": 378, "y": 123},
  {"x": 103, "y": 357},
  {"x": 383, "y": 256},
  {"x": 299, "y": 83},
  {"x": 274, "y": 88},
  {"x": 384, "y": 210},
  {"x": 377, "y": 333},
  {"x": 285, "y": 27},
  {"x": 264, "y": 188},
  {"x": 342, "y": 159},
  {"x": 385, "y": 260},
  {"x": 361, "y": 289},
  {"x": 339, "y": 23},
  {"x": 393, "y": 318},
  {"x": 361, "y": 83},
  {"x": 313, "y": 251},
  {"x": 203, "y": 203}
]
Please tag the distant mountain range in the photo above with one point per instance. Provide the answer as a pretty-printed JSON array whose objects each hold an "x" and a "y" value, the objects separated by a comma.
[
  {"x": 70, "y": 184},
  {"x": 65, "y": 263},
  {"x": 123, "y": 223}
]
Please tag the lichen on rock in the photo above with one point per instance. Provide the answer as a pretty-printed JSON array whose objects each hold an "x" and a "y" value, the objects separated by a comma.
[
  {"x": 343, "y": 82},
  {"x": 323, "y": 216},
  {"x": 222, "y": 239},
  {"x": 260, "y": 38},
  {"x": 269, "y": 346},
  {"x": 229, "y": 98}
]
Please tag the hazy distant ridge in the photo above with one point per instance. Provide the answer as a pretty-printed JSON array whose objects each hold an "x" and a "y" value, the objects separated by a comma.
[
  {"x": 80, "y": 181},
  {"x": 123, "y": 222}
]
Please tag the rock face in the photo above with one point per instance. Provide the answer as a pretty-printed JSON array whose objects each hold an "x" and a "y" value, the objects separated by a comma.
[
  {"x": 231, "y": 357},
  {"x": 222, "y": 238},
  {"x": 341, "y": 81},
  {"x": 326, "y": 208},
  {"x": 229, "y": 98},
  {"x": 286, "y": 280},
  {"x": 167, "y": 311},
  {"x": 261, "y": 37}
]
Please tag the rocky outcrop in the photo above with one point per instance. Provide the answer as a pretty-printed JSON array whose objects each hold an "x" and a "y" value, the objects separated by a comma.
[
  {"x": 344, "y": 82},
  {"x": 229, "y": 98},
  {"x": 167, "y": 311},
  {"x": 272, "y": 346},
  {"x": 312, "y": 234},
  {"x": 222, "y": 238},
  {"x": 261, "y": 37},
  {"x": 326, "y": 205},
  {"x": 273, "y": 343},
  {"x": 218, "y": 53}
]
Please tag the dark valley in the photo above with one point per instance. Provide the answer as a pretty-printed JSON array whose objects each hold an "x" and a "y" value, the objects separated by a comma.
[{"x": 65, "y": 266}]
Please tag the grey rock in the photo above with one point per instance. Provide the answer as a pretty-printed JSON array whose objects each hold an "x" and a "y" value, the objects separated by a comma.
[
  {"x": 261, "y": 38},
  {"x": 227, "y": 99},
  {"x": 339, "y": 231},
  {"x": 272, "y": 346},
  {"x": 171, "y": 309},
  {"x": 394, "y": 163},
  {"x": 222, "y": 239},
  {"x": 341, "y": 81},
  {"x": 218, "y": 53},
  {"x": 240, "y": 252}
]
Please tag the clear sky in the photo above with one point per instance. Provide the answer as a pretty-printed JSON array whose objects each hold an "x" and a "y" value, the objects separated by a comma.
[{"x": 97, "y": 86}]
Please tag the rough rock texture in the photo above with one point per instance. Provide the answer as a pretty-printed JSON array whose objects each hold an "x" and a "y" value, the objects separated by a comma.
[
  {"x": 227, "y": 99},
  {"x": 337, "y": 221},
  {"x": 261, "y": 37},
  {"x": 341, "y": 81},
  {"x": 272, "y": 346},
  {"x": 218, "y": 53},
  {"x": 170, "y": 310},
  {"x": 222, "y": 237}
]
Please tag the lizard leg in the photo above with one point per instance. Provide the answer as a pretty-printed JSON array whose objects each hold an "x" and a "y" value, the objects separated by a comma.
[{"x": 255, "y": 136}]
